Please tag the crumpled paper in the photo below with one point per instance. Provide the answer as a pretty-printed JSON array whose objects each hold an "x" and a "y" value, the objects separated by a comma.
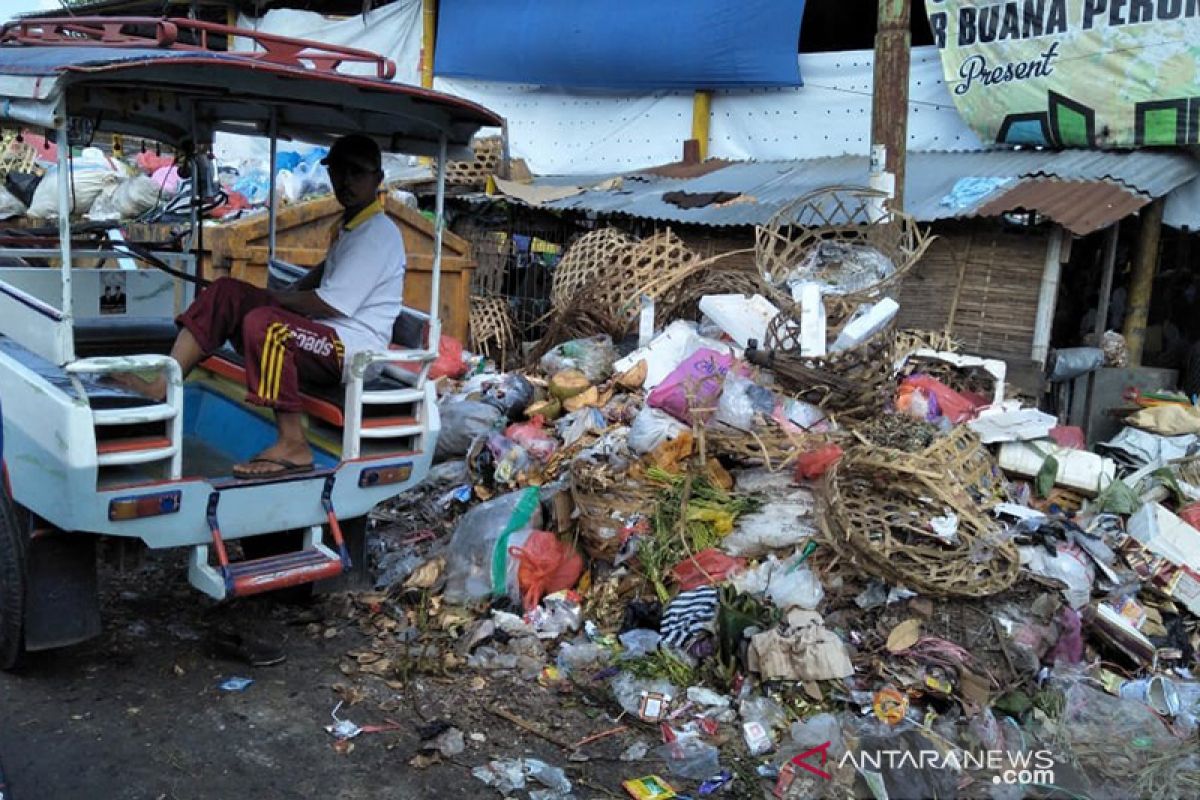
[{"x": 802, "y": 650}]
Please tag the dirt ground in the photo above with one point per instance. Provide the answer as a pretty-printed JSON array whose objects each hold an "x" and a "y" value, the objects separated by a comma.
[{"x": 137, "y": 714}]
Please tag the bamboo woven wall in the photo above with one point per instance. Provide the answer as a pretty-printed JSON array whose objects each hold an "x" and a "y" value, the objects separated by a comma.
[{"x": 980, "y": 280}]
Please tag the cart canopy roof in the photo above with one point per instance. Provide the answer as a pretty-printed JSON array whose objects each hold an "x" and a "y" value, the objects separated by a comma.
[{"x": 155, "y": 87}]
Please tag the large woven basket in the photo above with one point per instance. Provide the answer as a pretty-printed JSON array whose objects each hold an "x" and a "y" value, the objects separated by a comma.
[
  {"x": 877, "y": 505},
  {"x": 853, "y": 384},
  {"x": 847, "y": 215}
]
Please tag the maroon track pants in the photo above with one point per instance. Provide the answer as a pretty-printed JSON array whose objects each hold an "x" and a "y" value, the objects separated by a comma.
[{"x": 281, "y": 348}]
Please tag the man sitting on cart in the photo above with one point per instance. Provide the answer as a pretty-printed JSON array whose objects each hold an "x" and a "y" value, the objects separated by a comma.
[{"x": 309, "y": 331}]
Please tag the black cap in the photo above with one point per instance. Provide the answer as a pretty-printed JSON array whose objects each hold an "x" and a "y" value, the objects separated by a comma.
[{"x": 356, "y": 149}]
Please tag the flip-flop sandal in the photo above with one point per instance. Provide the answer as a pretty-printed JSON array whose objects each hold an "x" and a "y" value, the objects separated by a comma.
[
  {"x": 285, "y": 468},
  {"x": 248, "y": 651}
]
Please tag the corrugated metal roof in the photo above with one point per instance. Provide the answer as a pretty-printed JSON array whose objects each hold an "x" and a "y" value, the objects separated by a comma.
[
  {"x": 1080, "y": 207},
  {"x": 931, "y": 179}
]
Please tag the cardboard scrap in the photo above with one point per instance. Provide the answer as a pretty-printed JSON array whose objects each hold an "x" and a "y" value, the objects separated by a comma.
[{"x": 802, "y": 650}]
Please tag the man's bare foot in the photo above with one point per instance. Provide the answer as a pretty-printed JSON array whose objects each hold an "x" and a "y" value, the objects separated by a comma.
[
  {"x": 155, "y": 389},
  {"x": 282, "y": 458}
]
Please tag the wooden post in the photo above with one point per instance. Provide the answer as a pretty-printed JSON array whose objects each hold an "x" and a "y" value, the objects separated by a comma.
[
  {"x": 701, "y": 115},
  {"x": 1141, "y": 286},
  {"x": 1047, "y": 297},
  {"x": 1106, "y": 279},
  {"x": 889, "y": 101}
]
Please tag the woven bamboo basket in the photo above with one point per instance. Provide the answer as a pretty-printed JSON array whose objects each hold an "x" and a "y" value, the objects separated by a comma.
[
  {"x": 846, "y": 216},
  {"x": 683, "y": 301},
  {"x": 606, "y": 503},
  {"x": 768, "y": 445},
  {"x": 492, "y": 330},
  {"x": 853, "y": 384},
  {"x": 875, "y": 509},
  {"x": 957, "y": 461},
  {"x": 588, "y": 257}
]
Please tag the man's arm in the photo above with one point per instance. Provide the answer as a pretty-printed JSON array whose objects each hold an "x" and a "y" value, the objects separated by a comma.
[
  {"x": 306, "y": 303},
  {"x": 309, "y": 280}
]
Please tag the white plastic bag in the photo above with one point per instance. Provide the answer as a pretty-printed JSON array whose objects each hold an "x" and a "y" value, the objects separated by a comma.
[
  {"x": 652, "y": 428},
  {"x": 784, "y": 586},
  {"x": 471, "y": 554},
  {"x": 10, "y": 206},
  {"x": 742, "y": 400},
  {"x": 89, "y": 179}
]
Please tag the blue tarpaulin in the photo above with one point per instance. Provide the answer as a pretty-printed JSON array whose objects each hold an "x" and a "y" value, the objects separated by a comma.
[{"x": 621, "y": 44}]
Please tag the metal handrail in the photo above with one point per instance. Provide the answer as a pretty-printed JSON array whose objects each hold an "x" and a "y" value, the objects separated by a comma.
[{"x": 110, "y": 32}]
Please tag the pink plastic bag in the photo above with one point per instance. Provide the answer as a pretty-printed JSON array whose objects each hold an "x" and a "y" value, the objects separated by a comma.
[
  {"x": 537, "y": 441},
  {"x": 694, "y": 384}
]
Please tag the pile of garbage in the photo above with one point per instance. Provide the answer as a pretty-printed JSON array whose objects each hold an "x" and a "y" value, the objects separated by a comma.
[
  {"x": 145, "y": 184},
  {"x": 939, "y": 594}
]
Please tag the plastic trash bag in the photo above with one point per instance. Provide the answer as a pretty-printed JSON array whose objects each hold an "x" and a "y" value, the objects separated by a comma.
[
  {"x": 816, "y": 463},
  {"x": 462, "y": 422},
  {"x": 629, "y": 690},
  {"x": 478, "y": 552},
  {"x": 651, "y": 428},
  {"x": 742, "y": 401},
  {"x": 592, "y": 356},
  {"x": 10, "y": 205},
  {"x": 22, "y": 186},
  {"x": 781, "y": 582},
  {"x": 575, "y": 426},
  {"x": 539, "y": 443},
  {"x": 511, "y": 393},
  {"x": 546, "y": 564},
  {"x": 690, "y": 757},
  {"x": 705, "y": 568},
  {"x": 694, "y": 384},
  {"x": 449, "y": 363}
]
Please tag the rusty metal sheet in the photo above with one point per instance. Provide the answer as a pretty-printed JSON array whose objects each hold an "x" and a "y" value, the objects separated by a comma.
[{"x": 1079, "y": 206}]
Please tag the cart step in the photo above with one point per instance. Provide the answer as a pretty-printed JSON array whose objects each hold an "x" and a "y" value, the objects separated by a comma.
[
  {"x": 279, "y": 572},
  {"x": 312, "y": 562}
]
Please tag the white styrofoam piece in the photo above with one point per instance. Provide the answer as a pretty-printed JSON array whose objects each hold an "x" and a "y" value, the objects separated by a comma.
[
  {"x": 866, "y": 325},
  {"x": 998, "y": 424},
  {"x": 1077, "y": 469},
  {"x": 742, "y": 318},
  {"x": 812, "y": 320},
  {"x": 1165, "y": 534}
]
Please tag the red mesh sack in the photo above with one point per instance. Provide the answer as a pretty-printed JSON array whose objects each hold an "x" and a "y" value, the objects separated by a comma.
[{"x": 545, "y": 564}]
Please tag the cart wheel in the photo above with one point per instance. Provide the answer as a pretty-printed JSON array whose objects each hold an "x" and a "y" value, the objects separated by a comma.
[{"x": 13, "y": 578}]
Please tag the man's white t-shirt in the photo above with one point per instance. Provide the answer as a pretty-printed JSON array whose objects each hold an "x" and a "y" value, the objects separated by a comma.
[{"x": 364, "y": 281}]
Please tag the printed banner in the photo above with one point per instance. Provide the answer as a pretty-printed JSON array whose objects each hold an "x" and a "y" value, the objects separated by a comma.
[{"x": 1073, "y": 73}]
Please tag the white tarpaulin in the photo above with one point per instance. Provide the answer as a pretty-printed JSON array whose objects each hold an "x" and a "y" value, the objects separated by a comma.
[
  {"x": 560, "y": 133},
  {"x": 393, "y": 31}
]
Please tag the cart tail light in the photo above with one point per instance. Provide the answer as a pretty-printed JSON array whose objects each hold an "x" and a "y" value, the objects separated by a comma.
[
  {"x": 381, "y": 476},
  {"x": 144, "y": 505}
]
